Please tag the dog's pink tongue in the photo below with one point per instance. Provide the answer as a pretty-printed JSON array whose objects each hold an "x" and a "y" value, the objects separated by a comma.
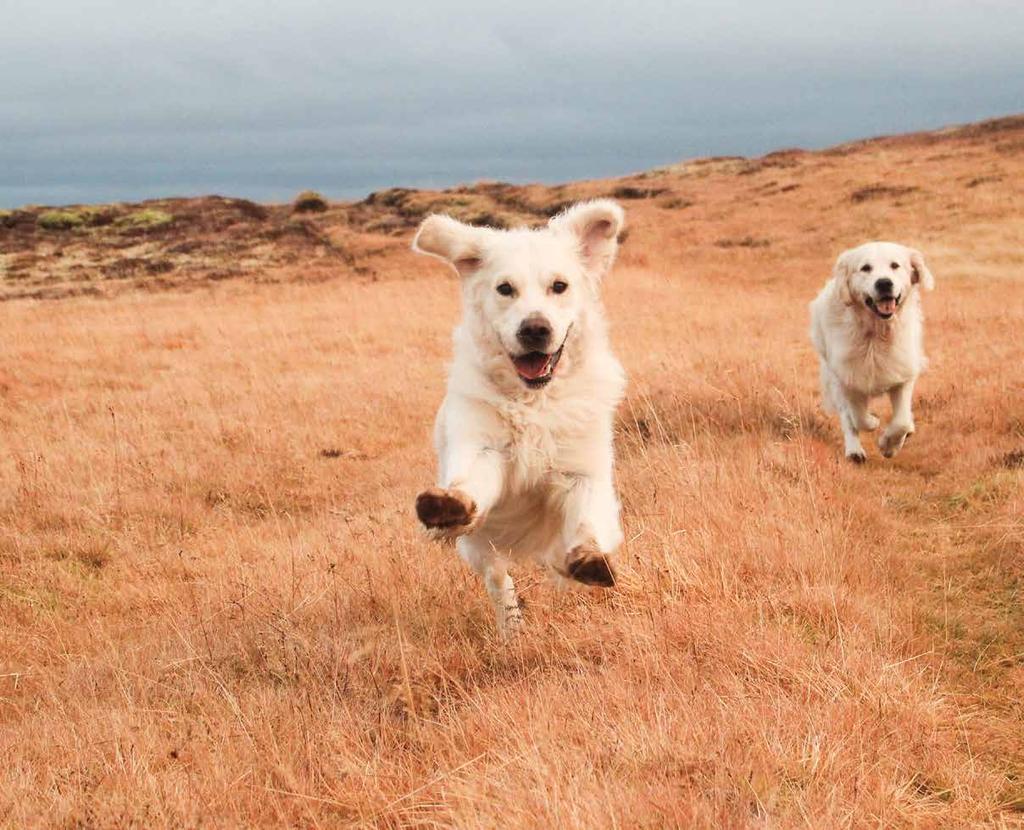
[
  {"x": 531, "y": 366},
  {"x": 886, "y": 306}
]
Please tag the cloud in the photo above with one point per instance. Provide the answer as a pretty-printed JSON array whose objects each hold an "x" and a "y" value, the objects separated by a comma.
[{"x": 109, "y": 99}]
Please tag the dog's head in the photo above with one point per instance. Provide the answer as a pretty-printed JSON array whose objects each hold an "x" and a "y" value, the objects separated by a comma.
[
  {"x": 879, "y": 277},
  {"x": 528, "y": 292}
]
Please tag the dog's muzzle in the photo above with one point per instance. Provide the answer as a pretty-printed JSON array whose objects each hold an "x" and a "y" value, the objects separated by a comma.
[
  {"x": 884, "y": 307},
  {"x": 536, "y": 369}
]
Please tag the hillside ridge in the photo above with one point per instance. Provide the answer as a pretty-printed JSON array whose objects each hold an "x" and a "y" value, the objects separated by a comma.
[{"x": 180, "y": 243}]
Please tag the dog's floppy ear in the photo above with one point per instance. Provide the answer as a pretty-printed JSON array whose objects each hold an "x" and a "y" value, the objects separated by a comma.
[
  {"x": 841, "y": 273},
  {"x": 596, "y": 226},
  {"x": 460, "y": 245},
  {"x": 919, "y": 273}
]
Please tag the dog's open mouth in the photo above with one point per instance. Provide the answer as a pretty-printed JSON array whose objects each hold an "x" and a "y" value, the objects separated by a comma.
[
  {"x": 884, "y": 307},
  {"x": 537, "y": 368}
]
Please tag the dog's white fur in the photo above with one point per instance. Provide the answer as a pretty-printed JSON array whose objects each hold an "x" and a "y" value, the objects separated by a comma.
[
  {"x": 524, "y": 473},
  {"x": 862, "y": 355}
]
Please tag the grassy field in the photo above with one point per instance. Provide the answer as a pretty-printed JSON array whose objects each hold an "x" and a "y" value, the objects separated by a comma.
[{"x": 218, "y": 610}]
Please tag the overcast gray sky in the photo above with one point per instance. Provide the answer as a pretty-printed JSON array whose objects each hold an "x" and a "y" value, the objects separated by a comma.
[{"x": 114, "y": 100}]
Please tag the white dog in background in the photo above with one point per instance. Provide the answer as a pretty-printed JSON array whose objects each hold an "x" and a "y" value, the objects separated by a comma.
[
  {"x": 867, "y": 328},
  {"x": 524, "y": 435}
]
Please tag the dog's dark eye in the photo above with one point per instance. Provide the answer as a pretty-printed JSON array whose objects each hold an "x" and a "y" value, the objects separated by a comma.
[
  {"x": 506, "y": 289},
  {"x": 866, "y": 269},
  {"x": 559, "y": 286},
  {"x": 894, "y": 265}
]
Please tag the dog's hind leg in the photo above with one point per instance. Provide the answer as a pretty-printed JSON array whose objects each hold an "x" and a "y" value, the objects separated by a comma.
[
  {"x": 502, "y": 590},
  {"x": 828, "y": 387},
  {"x": 481, "y": 556}
]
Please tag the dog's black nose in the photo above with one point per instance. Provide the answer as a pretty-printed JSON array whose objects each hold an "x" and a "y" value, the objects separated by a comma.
[
  {"x": 535, "y": 333},
  {"x": 883, "y": 286}
]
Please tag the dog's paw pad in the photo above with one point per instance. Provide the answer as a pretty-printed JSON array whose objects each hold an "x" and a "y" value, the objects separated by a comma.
[
  {"x": 591, "y": 567},
  {"x": 445, "y": 509},
  {"x": 857, "y": 457}
]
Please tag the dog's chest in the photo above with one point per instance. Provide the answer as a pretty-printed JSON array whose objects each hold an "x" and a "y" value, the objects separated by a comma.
[
  {"x": 539, "y": 443},
  {"x": 877, "y": 365}
]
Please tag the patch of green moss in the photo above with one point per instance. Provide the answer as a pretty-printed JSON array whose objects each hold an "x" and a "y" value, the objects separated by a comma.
[
  {"x": 146, "y": 218},
  {"x": 69, "y": 218},
  {"x": 65, "y": 218}
]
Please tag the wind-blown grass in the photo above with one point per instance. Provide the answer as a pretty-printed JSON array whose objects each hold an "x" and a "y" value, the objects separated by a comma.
[{"x": 218, "y": 610}]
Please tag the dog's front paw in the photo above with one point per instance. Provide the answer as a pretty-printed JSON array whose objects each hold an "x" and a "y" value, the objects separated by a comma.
[
  {"x": 590, "y": 566},
  {"x": 446, "y": 513},
  {"x": 854, "y": 450},
  {"x": 892, "y": 440}
]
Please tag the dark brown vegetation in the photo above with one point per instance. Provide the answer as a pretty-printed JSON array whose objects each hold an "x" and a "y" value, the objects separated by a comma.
[{"x": 309, "y": 201}]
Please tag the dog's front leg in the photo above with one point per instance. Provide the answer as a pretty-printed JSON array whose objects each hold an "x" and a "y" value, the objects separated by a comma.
[
  {"x": 469, "y": 485},
  {"x": 901, "y": 426},
  {"x": 590, "y": 530},
  {"x": 853, "y": 416}
]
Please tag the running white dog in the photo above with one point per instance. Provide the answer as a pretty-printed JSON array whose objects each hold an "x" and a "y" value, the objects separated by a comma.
[
  {"x": 866, "y": 326},
  {"x": 524, "y": 435}
]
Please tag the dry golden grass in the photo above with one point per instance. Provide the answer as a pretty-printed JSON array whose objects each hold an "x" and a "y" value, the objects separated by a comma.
[{"x": 217, "y": 609}]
